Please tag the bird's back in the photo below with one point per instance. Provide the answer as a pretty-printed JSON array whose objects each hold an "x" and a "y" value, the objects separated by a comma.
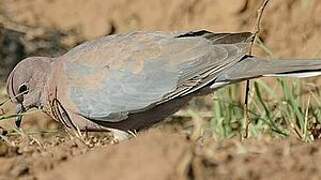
[{"x": 116, "y": 76}]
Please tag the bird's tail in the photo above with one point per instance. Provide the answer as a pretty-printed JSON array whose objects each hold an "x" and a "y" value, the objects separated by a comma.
[{"x": 252, "y": 67}]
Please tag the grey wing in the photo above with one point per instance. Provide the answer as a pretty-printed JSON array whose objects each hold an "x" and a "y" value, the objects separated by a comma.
[{"x": 153, "y": 68}]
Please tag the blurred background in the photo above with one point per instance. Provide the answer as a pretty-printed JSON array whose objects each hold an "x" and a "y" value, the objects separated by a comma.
[{"x": 291, "y": 28}]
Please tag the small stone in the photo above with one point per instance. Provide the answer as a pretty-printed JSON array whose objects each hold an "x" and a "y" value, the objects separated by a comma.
[
  {"x": 2, "y": 112},
  {"x": 3, "y": 131}
]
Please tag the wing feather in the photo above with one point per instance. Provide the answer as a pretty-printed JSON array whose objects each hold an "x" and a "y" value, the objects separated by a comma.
[{"x": 127, "y": 73}]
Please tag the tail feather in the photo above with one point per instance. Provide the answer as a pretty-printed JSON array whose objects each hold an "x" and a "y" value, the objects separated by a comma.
[
  {"x": 251, "y": 67},
  {"x": 297, "y": 75}
]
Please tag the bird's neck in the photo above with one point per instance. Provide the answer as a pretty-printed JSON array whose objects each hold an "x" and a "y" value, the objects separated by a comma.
[{"x": 49, "y": 92}]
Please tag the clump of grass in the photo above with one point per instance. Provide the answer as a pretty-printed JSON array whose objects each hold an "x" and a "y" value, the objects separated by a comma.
[
  {"x": 227, "y": 112},
  {"x": 279, "y": 115}
]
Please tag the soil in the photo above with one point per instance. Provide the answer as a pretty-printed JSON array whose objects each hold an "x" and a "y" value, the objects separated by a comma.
[
  {"x": 291, "y": 28},
  {"x": 159, "y": 154}
]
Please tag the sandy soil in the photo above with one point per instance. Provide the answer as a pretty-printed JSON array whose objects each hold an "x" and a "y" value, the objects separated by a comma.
[
  {"x": 291, "y": 29},
  {"x": 160, "y": 155}
]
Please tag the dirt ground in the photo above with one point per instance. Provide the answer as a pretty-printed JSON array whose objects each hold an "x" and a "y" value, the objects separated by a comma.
[
  {"x": 159, "y": 154},
  {"x": 291, "y": 28}
]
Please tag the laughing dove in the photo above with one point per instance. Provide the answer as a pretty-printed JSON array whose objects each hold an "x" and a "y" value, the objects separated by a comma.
[{"x": 131, "y": 81}]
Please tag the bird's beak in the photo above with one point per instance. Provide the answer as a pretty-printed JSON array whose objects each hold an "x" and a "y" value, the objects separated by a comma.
[{"x": 19, "y": 109}]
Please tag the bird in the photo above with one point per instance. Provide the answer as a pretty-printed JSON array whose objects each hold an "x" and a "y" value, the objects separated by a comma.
[{"x": 130, "y": 81}]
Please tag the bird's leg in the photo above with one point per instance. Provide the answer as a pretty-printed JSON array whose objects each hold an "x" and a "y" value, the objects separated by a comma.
[{"x": 85, "y": 125}]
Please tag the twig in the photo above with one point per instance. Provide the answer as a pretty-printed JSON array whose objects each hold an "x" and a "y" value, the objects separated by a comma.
[
  {"x": 257, "y": 30},
  {"x": 6, "y": 140},
  {"x": 4, "y": 102},
  {"x": 197, "y": 124},
  {"x": 8, "y": 99},
  {"x": 305, "y": 130},
  {"x": 38, "y": 132},
  {"x": 2, "y": 118},
  {"x": 30, "y": 138}
]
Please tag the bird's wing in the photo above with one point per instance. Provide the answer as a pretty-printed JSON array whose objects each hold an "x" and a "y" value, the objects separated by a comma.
[{"x": 126, "y": 73}]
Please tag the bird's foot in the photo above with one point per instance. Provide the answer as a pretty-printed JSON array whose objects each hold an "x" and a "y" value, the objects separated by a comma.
[{"x": 119, "y": 135}]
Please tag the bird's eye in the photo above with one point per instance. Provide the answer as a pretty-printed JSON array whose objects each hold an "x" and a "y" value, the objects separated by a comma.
[{"x": 23, "y": 89}]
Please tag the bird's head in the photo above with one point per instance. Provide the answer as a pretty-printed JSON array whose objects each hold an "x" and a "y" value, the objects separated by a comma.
[{"x": 26, "y": 83}]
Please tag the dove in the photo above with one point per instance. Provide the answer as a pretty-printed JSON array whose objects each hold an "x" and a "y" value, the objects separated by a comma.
[{"x": 131, "y": 81}]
